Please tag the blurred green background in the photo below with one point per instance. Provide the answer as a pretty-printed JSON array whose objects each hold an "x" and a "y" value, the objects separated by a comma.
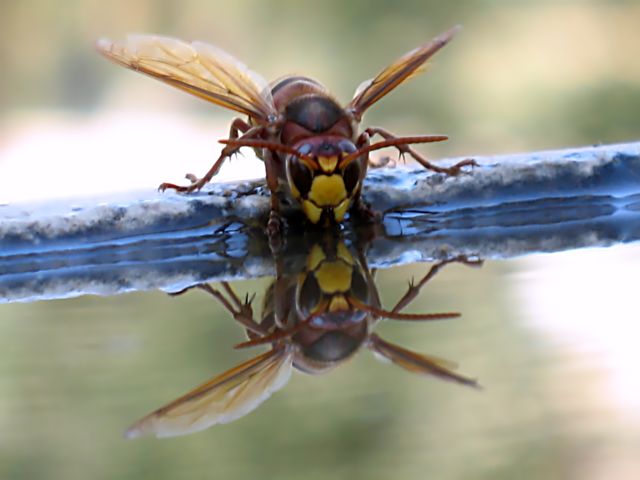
[
  {"x": 522, "y": 75},
  {"x": 558, "y": 398}
]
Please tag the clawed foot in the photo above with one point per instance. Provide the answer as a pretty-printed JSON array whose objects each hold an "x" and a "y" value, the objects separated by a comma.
[
  {"x": 196, "y": 184},
  {"x": 245, "y": 310},
  {"x": 455, "y": 169},
  {"x": 274, "y": 231},
  {"x": 274, "y": 225},
  {"x": 469, "y": 261}
]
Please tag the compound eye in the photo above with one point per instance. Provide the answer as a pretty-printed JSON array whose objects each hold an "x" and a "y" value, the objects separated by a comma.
[
  {"x": 351, "y": 176},
  {"x": 299, "y": 175}
]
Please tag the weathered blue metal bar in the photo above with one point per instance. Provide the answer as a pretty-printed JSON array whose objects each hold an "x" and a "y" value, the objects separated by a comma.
[{"x": 510, "y": 205}]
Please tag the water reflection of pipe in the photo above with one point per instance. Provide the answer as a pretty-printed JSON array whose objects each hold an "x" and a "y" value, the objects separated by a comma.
[{"x": 509, "y": 206}]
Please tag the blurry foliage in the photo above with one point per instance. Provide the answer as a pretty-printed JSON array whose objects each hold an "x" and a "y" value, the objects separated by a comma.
[
  {"x": 75, "y": 372},
  {"x": 485, "y": 89},
  {"x": 605, "y": 112}
]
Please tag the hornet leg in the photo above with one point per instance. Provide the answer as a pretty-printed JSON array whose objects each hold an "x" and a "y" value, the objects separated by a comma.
[
  {"x": 237, "y": 126},
  {"x": 453, "y": 170}
]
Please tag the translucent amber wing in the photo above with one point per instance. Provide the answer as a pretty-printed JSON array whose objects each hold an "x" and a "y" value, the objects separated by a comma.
[
  {"x": 399, "y": 71},
  {"x": 417, "y": 362},
  {"x": 222, "y": 399},
  {"x": 198, "y": 68}
]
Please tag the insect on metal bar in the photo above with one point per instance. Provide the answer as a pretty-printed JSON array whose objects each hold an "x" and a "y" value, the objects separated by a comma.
[{"x": 311, "y": 145}]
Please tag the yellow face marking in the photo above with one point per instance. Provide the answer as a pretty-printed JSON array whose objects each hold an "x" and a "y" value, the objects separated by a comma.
[
  {"x": 328, "y": 164},
  {"x": 327, "y": 190},
  {"x": 311, "y": 211},
  {"x": 344, "y": 254},
  {"x": 334, "y": 277},
  {"x": 341, "y": 210},
  {"x": 338, "y": 304},
  {"x": 315, "y": 257}
]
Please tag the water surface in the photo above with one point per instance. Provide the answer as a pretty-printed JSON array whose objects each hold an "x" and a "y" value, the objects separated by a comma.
[{"x": 548, "y": 336}]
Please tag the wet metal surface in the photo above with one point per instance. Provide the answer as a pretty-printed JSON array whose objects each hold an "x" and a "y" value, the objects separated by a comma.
[{"x": 507, "y": 207}]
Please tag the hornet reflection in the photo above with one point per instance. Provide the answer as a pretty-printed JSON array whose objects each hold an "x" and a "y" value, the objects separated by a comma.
[{"x": 317, "y": 313}]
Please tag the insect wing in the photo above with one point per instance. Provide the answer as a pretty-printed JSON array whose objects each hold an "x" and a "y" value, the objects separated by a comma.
[
  {"x": 418, "y": 363},
  {"x": 402, "y": 69},
  {"x": 203, "y": 70},
  {"x": 222, "y": 399}
]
